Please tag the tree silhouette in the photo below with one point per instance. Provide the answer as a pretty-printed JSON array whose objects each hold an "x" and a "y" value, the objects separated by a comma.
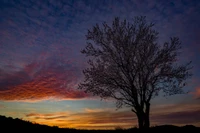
[{"x": 127, "y": 63}]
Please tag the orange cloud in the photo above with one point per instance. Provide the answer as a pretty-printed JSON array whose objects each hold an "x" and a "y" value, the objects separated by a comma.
[
  {"x": 38, "y": 90},
  {"x": 110, "y": 119},
  {"x": 87, "y": 119},
  {"x": 40, "y": 81}
]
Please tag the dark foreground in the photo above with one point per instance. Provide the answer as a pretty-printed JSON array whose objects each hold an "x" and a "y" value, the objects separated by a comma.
[{"x": 8, "y": 124}]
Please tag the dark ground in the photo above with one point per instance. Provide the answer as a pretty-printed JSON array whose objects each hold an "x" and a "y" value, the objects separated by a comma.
[{"x": 8, "y": 124}]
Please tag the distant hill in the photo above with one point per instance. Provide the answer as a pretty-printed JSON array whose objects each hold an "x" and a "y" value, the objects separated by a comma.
[{"x": 8, "y": 124}]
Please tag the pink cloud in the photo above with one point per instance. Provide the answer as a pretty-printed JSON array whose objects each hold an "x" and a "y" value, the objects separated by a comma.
[
  {"x": 42, "y": 80},
  {"x": 196, "y": 93},
  {"x": 177, "y": 118}
]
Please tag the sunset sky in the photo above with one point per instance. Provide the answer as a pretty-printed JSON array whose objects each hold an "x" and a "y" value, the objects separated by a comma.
[{"x": 41, "y": 64}]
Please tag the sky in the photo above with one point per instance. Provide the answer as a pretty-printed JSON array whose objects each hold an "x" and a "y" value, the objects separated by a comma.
[{"x": 41, "y": 63}]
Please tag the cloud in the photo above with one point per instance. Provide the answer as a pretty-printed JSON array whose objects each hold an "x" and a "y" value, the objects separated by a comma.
[
  {"x": 177, "y": 114},
  {"x": 52, "y": 116},
  {"x": 45, "y": 79},
  {"x": 196, "y": 93},
  {"x": 12, "y": 80},
  {"x": 2, "y": 106},
  {"x": 108, "y": 118},
  {"x": 37, "y": 64},
  {"x": 178, "y": 118},
  {"x": 87, "y": 119}
]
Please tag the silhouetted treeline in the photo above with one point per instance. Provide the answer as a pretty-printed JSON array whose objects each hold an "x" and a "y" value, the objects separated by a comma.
[{"x": 9, "y": 124}]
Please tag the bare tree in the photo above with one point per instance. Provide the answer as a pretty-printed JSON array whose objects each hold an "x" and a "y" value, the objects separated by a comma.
[{"x": 127, "y": 63}]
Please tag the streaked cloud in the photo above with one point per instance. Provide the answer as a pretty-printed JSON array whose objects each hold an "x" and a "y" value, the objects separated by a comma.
[
  {"x": 178, "y": 118},
  {"x": 176, "y": 114},
  {"x": 48, "y": 116},
  {"x": 108, "y": 118},
  {"x": 87, "y": 119}
]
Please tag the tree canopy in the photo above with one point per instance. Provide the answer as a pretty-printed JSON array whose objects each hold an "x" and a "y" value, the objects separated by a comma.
[{"x": 127, "y": 63}]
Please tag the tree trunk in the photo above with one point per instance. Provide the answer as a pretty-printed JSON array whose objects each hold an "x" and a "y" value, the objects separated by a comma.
[
  {"x": 143, "y": 117},
  {"x": 146, "y": 117},
  {"x": 140, "y": 121},
  {"x": 146, "y": 121}
]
